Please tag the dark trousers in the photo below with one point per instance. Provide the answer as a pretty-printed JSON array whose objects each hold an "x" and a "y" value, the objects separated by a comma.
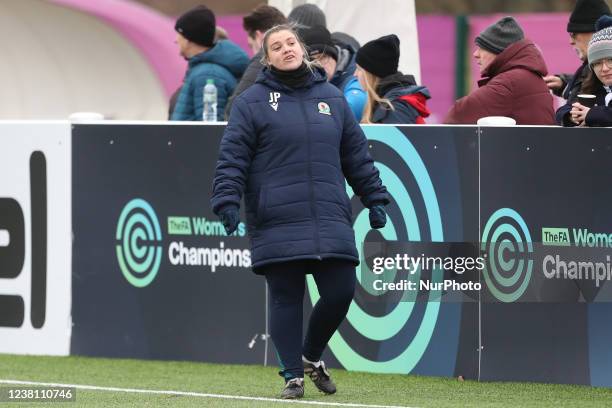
[{"x": 335, "y": 280}]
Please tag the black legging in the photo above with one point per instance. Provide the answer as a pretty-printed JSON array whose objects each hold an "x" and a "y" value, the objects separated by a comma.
[{"x": 335, "y": 280}]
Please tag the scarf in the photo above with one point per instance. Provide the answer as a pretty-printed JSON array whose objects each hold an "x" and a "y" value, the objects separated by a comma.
[{"x": 293, "y": 79}]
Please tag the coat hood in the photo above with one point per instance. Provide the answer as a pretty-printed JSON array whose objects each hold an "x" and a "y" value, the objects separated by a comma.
[
  {"x": 401, "y": 90},
  {"x": 397, "y": 85},
  {"x": 224, "y": 53},
  {"x": 345, "y": 67},
  {"x": 522, "y": 54}
]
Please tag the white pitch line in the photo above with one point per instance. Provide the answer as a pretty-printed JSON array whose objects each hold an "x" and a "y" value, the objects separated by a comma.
[{"x": 195, "y": 394}]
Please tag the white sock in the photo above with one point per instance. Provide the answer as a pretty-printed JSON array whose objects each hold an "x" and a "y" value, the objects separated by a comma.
[{"x": 314, "y": 363}]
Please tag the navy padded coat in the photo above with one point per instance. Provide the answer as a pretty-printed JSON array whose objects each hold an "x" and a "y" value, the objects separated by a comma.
[{"x": 289, "y": 151}]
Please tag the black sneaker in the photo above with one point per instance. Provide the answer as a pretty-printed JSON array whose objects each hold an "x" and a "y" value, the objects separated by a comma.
[
  {"x": 320, "y": 377},
  {"x": 293, "y": 389}
]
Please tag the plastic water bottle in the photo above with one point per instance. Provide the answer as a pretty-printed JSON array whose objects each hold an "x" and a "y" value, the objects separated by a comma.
[{"x": 209, "y": 113}]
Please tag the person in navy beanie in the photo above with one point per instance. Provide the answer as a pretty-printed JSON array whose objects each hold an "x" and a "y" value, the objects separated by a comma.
[
  {"x": 338, "y": 62},
  {"x": 289, "y": 147},
  {"x": 222, "y": 61},
  {"x": 393, "y": 98},
  {"x": 598, "y": 82}
]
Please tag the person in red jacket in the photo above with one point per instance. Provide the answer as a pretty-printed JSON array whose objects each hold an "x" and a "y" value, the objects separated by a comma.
[
  {"x": 392, "y": 97},
  {"x": 512, "y": 68}
]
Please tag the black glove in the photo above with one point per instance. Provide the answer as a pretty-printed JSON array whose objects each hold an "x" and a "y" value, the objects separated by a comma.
[
  {"x": 230, "y": 219},
  {"x": 378, "y": 216}
]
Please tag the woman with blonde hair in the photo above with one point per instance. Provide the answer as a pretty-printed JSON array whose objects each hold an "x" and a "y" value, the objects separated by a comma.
[
  {"x": 393, "y": 98},
  {"x": 290, "y": 144}
]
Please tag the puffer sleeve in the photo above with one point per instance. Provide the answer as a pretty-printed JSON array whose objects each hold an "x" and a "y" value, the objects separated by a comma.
[
  {"x": 358, "y": 165},
  {"x": 235, "y": 155}
]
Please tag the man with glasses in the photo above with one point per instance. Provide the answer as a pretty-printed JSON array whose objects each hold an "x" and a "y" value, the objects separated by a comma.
[{"x": 581, "y": 26}]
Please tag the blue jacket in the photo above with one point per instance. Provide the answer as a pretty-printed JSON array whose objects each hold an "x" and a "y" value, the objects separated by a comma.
[
  {"x": 224, "y": 63},
  {"x": 289, "y": 151},
  {"x": 345, "y": 80}
]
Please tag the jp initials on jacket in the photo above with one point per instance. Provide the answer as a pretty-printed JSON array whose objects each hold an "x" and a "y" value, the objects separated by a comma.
[{"x": 274, "y": 100}]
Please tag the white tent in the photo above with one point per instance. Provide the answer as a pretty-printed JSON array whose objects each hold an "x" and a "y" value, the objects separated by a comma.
[
  {"x": 366, "y": 20},
  {"x": 55, "y": 60}
]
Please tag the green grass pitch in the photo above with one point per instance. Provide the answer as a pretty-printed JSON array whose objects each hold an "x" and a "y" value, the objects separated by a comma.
[{"x": 257, "y": 381}]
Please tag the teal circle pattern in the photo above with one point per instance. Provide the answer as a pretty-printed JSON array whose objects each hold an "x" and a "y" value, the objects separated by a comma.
[
  {"x": 138, "y": 250},
  {"x": 506, "y": 264},
  {"x": 384, "y": 327},
  {"x": 493, "y": 278}
]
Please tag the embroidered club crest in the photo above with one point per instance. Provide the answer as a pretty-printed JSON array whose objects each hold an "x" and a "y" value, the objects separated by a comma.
[{"x": 324, "y": 108}]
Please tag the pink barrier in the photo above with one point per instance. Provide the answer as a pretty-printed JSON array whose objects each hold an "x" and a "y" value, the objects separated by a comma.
[{"x": 437, "y": 53}]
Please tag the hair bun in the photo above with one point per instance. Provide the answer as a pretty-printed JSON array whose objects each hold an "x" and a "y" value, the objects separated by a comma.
[{"x": 603, "y": 22}]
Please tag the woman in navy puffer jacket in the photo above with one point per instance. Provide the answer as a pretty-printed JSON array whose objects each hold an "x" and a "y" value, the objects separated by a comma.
[{"x": 290, "y": 143}]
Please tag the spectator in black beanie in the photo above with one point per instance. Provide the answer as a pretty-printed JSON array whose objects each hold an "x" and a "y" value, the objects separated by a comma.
[
  {"x": 393, "y": 97},
  {"x": 308, "y": 16},
  {"x": 222, "y": 61},
  {"x": 581, "y": 27},
  {"x": 339, "y": 65}
]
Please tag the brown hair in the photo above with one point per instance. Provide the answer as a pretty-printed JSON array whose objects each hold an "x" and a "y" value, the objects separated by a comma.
[
  {"x": 262, "y": 18},
  {"x": 285, "y": 27},
  {"x": 371, "y": 83},
  {"x": 591, "y": 84}
]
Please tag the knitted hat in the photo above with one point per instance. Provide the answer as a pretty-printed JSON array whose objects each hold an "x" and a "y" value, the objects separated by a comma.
[
  {"x": 600, "y": 46},
  {"x": 585, "y": 14},
  {"x": 381, "y": 56},
  {"x": 345, "y": 39},
  {"x": 197, "y": 25},
  {"x": 318, "y": 40},
  {"x": 497, "y": 37},
  {"x": 308, "y": 15}
]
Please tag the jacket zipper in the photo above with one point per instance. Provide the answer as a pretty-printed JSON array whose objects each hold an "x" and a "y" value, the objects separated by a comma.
[{"x": 313, "y": 208}]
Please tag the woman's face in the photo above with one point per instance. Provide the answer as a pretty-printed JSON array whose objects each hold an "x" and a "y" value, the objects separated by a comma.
[
  {"x": 284, "y": 51},
  {"x": 603, "y": 70},
  {"x": 359, "y": 73}
]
